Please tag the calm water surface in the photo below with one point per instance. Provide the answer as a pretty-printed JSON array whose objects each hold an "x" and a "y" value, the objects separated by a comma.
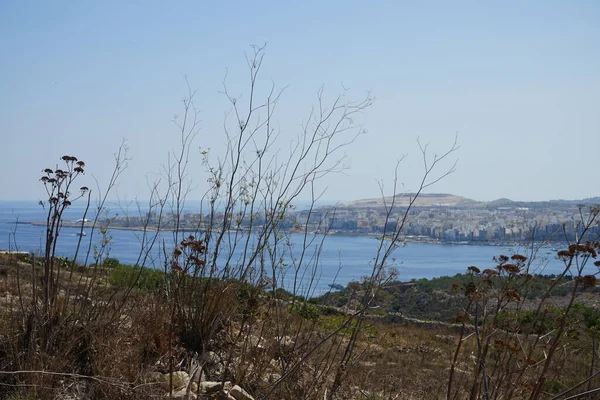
[{"x": 347, "y": 257}]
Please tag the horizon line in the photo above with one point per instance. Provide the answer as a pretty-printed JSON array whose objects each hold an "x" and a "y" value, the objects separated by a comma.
[{"x": 341, "y": 201}]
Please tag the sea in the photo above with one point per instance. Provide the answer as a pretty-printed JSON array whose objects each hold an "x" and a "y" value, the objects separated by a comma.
[{"x": 342, "y": 259}]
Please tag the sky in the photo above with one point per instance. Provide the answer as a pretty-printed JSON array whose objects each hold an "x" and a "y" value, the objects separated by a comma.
[{"x": 517, "y": 82}]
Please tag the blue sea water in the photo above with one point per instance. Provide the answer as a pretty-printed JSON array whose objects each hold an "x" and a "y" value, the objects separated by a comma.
[{"x": 342, "y": 258}]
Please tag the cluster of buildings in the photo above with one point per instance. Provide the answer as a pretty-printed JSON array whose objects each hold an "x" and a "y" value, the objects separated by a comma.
[
  {"x": 462, "y": 220},
  {"x": 478, "y": 223}
]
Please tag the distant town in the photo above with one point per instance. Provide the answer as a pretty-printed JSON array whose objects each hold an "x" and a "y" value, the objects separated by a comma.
[
  {"x": 435, "y": 218},
  {"x": 454, "y": 219}
]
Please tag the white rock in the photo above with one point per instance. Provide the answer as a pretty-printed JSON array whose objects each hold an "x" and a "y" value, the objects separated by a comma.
[
  {"x": 239, "y": 394},
  {"x": 256, "y": 342},
  {"x": 287, "y": 343},
  {"x": 182, "y": 393},
  {"x": 181, "y": 379},
  {"x": 272, "y": 378}
]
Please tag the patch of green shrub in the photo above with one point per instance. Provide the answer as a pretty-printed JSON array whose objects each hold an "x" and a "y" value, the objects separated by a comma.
[
  {"x": 111, "y": 262},
  {"x": 307, "y": 311},
  {"x": 141, "y": 278}
]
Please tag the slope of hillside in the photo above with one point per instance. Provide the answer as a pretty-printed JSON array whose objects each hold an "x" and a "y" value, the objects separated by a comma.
[
  {"x": 424, "y": 200},
  {"x": 453, "y": 201}
]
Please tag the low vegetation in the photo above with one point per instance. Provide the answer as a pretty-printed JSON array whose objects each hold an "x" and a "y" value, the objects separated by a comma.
[
  {"x": 440, "y": 299},
  {"x": 107, "y": 345}
]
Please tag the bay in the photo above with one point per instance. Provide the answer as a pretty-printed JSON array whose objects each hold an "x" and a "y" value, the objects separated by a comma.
[{"x": 341, "y": 259}]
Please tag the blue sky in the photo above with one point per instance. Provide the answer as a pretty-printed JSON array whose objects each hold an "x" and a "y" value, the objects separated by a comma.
[{"x": 518, "y": 81}]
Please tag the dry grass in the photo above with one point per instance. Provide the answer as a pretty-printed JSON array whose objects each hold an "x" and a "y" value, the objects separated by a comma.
[{"x": 112, "y": 347}]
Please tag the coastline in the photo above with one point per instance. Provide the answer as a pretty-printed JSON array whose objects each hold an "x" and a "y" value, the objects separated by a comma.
[{"x": 376, "y": 236}]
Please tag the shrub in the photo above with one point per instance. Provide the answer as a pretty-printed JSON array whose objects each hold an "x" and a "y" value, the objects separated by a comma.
[
  {"x": 307, "y": 311},
  {"x": 110, "y": 262},
  {"x": 141, "y": 278}
]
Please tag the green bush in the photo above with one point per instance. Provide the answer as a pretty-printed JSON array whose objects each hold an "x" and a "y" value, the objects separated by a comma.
[
  {"x": 111, "y": 262},
  {"x": 307, "y": 311},
  {"x": 590, "y": 316},
  {"x": 141, "y": 278}
]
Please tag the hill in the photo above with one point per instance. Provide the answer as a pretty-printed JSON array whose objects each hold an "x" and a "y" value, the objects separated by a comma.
[
  {"x": 454, "y": 201},
  {"x": 424, "y": 200}
]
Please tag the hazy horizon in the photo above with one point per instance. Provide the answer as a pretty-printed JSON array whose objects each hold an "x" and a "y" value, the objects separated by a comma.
[
  {"x": 518, "y": 82},
  {"x": 324, "y": 201}
]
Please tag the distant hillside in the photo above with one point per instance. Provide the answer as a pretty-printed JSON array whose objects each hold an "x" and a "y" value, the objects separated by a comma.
[
  {"x": 424, "y": 200},
  {"x": 561, "y": 204},
  {"x": 503, "y": 202},
  {"x": 450, "y": 200}
]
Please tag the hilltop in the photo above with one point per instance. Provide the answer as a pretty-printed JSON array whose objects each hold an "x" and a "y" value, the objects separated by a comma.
[
  {"x": 454, "y": 201},
  {"x": 424, "y": 200}
]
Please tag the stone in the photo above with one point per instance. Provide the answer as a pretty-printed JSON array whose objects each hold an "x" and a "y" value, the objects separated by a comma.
[
  {"x": 213, "y": 387},
  {"x": 287, "y": 343},
  {"x": 239, "y": 394},
  {"x": 448, "y": 339},
  {"x": 154, "y": 376},
  {"x": 182, "y": 393},
  {"x": 157, "y": 377},
  {"x": 271, "y": 378},
  {"x": 181, "y": 379},
  {"x": 198, "y": 375},
  {"x": 256, "y": 342}
]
